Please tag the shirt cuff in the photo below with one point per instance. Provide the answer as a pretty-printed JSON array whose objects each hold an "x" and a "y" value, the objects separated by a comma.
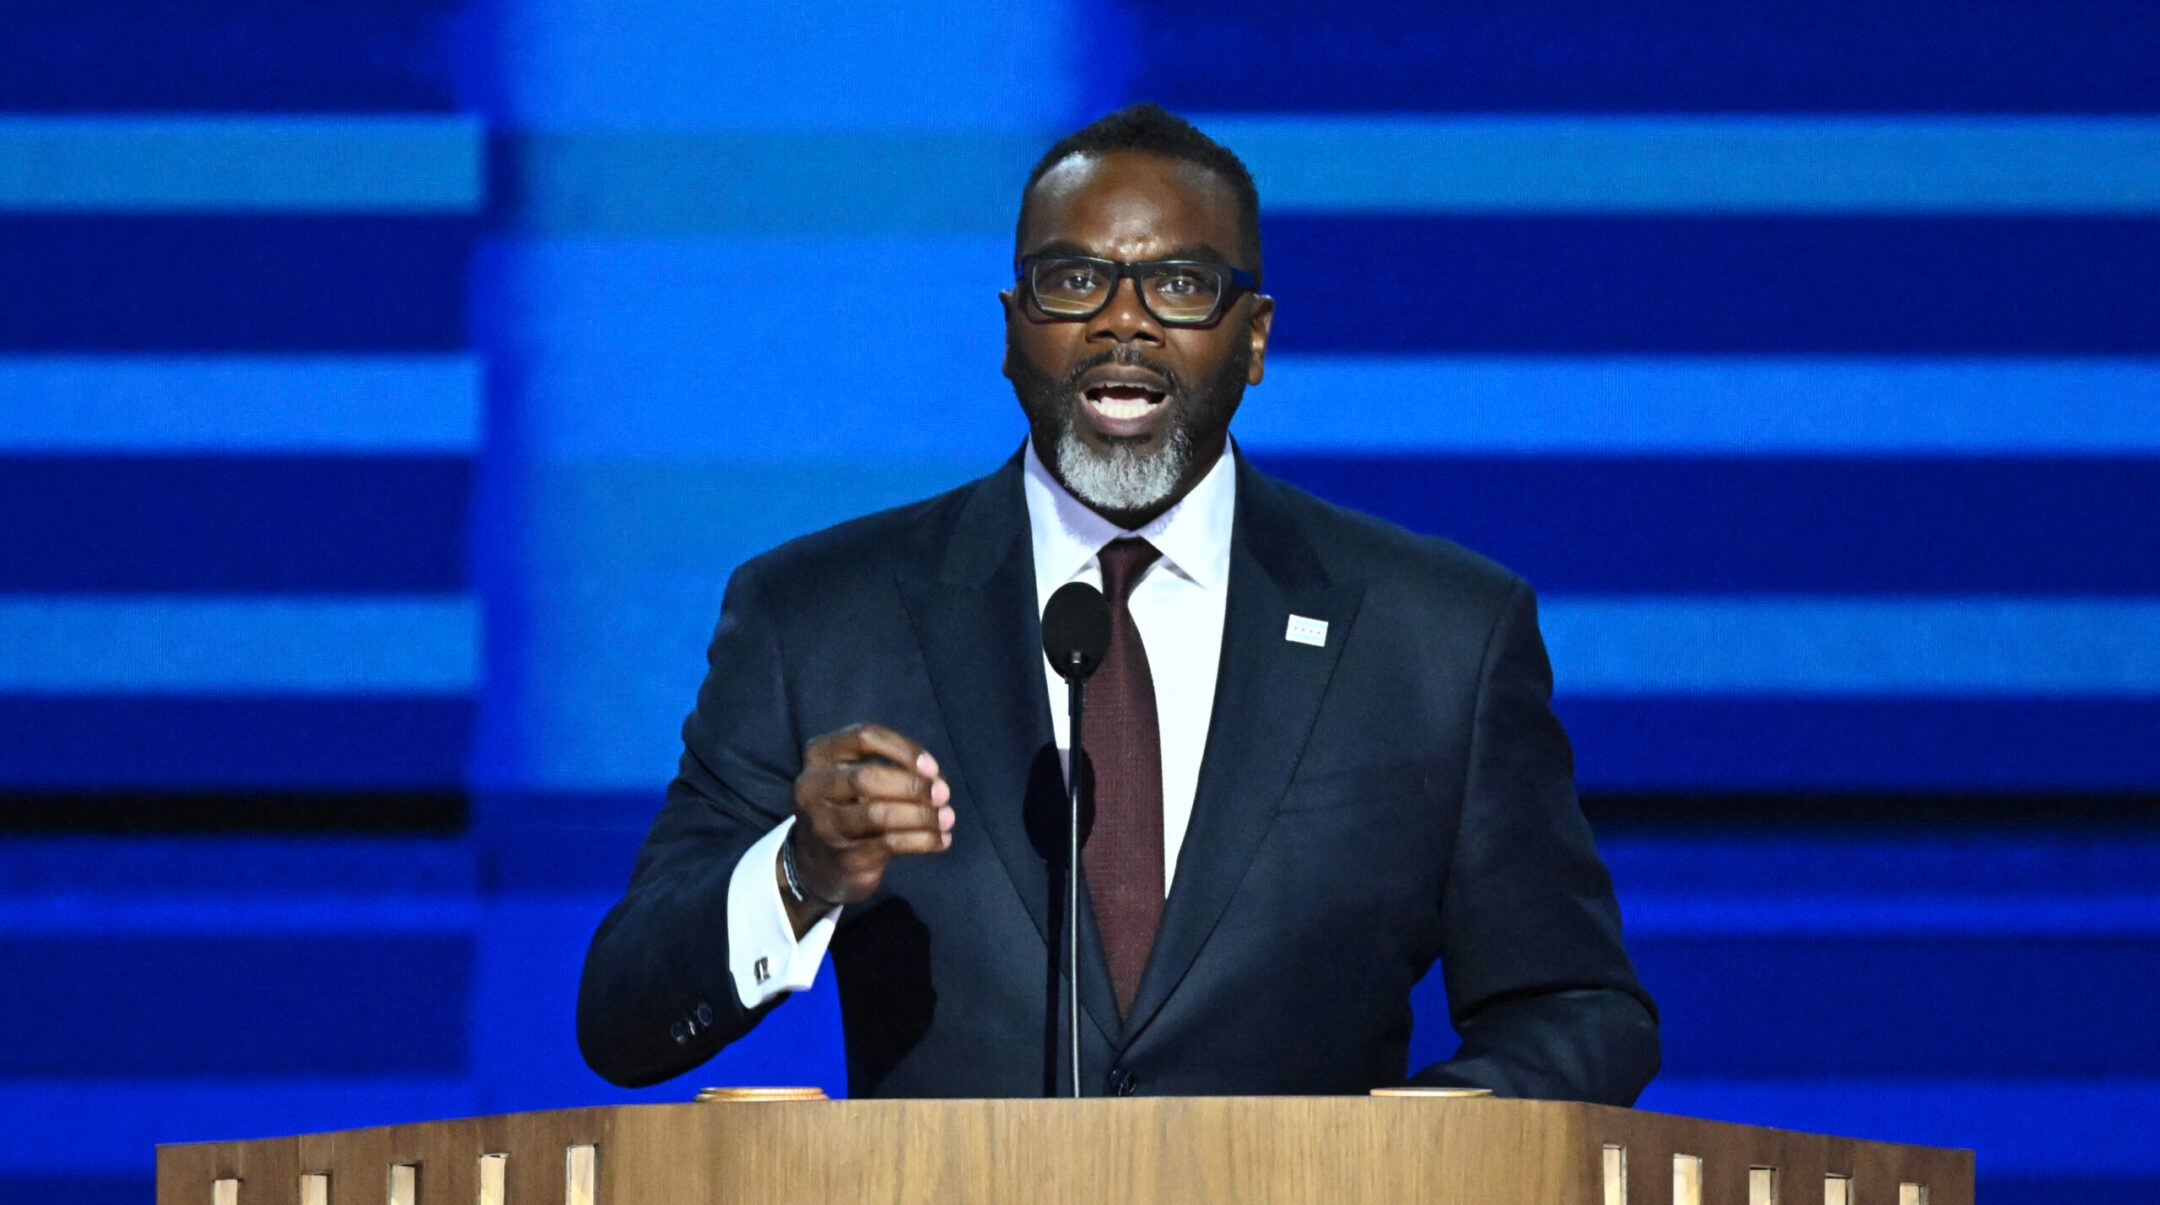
[{"x": 763, "y": 953}]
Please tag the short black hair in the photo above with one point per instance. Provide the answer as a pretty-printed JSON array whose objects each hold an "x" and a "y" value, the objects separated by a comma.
[{"x": 1150, "y": 128}]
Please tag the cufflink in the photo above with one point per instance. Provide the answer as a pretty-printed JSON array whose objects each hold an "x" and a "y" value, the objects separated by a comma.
[{"x": 762, "y": 969}]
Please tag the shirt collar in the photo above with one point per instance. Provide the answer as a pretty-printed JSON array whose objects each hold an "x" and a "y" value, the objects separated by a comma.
[{"x": 1193, "y": 536}]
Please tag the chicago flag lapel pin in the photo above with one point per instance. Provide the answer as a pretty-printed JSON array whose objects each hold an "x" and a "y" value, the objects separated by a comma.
[{"x": 1307, "y": 631}]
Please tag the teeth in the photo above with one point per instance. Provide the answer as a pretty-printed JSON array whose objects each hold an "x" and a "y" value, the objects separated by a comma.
[{"x": 1121, "y": 408}]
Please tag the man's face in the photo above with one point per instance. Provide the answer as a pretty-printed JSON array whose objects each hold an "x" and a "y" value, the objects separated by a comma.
[{"x": 1129, "y": 412}]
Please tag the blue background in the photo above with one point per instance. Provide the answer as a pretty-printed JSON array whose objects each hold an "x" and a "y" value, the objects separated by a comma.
[{"x": 388, "y": 388}]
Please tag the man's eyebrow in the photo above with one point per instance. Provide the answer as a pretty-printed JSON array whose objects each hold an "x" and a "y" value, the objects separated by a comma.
[{"x": 1201, "y": 252}]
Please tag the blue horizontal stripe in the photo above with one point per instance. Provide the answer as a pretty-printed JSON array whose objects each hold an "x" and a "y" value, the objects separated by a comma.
[
  {"x": 384, "y": 164},
  {"x": 1783, "y": 525},
  {"x": 1694, "y": 404},
  {"x": 184, "y": 645},
  {"x": 350, "y": 911},
  {"x": 1797, "y": 646},
  {"x": 1734, "y": 284},
  {"x": 258, "y": 524},
  {"x": 272, "y": 870},
  {"x": 1926, "y": 1005},
  {"x": 234, "y": 284},
  {"x": 53, "y": 1117},
  {"x": 2091, "y": 1133},
  {"x": 1857, "y": 913},
  {"x": 1405, "y": 164},
  {"x": 214, "y": 404},
  {"x": 128, "y": 56},
  {"x": 191, "y": 742},
  {"x": 1945, "y": 743},
  {"x": 1779, "y": 56},
  {"x": 917, "y": 182},
  {"x": 217, "y": 1006},
  {"x": 1970, "y": 854},
  {"x": 771, "y": 183},
  {"x": 635, "y": 367}
]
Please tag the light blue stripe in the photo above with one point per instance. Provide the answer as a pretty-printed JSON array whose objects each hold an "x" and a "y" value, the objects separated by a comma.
[
  {"x": 1700, "y": 164},
  {"x": 184, "y": 645},
  {"x": 2030, "y": 1127},
  {"x": 1964, "y": 646},
  {"x": 278, "y": 164},
  {"x": 929, "y": 181},
  {"x": 693, "y": 350},
  {"x": 759, "y": 182},
  {"x": 1709, "y": 404},
  {"x": 217, "y": 404}
]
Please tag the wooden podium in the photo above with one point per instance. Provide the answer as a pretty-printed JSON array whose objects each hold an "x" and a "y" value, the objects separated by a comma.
[{"x": 1135, "y": 1151}]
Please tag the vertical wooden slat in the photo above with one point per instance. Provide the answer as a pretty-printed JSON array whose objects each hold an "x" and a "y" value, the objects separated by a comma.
[
  {"x": 1762, "y": 1186},
  {"x": 494, "y": 1171},
  {"x": 1837, "y": 1189},
  {"x": 1615, "y": 1175},
  {"x": 314, "y": 1189},
  {"x": 225, "y": 1192},
  {"x": 404, "y": 1184},
  {"x": 580, "y": 1174},
  {"x": 1687, "y": 1180}
]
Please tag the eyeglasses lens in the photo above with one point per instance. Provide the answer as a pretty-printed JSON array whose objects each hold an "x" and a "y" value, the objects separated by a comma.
[{"x": 1174, "y": 292}]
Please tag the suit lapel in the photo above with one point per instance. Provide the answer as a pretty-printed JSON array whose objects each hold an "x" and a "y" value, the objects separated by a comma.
[
  {"x": 1267, "y": 693},
  {"x": 981, "y": 638}
]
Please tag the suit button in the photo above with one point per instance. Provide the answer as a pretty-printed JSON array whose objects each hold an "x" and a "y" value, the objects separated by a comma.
[
  {"x": 704, "y": 1016},
  {"x": 1122, "y": 1082},
  {"x": 680, "y": 1031}
]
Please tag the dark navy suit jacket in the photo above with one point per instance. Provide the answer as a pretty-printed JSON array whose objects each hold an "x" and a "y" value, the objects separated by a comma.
[{"x": 1400, "y": 795}]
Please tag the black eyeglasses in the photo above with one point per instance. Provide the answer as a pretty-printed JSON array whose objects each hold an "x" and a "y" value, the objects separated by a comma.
[{"x": 1177, "y": 292}]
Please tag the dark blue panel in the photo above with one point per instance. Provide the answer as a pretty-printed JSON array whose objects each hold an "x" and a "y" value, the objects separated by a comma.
[
  {"x": 254, "y": 283},
  {"x": 240, "y": 525},
  {"x": 237, "y": 866},
  {"x": 229, "y": 1005},
  {"x": 559, "y": 841},
  {"x": 1837, "y": 56},
  {"x": 1715, "y": 284},
  {"x": 1863, "y": 744},
  {"x": 1778, "y": 1007},
  {"x": 164, "y": 741},
  {"x": 235, "y": 55},
  {"x": 2066, "y": 1189},
  {"x": 1743, "y": 525},
  {"x": 81, "y": 1190},
  {"x": 2100, "y": 848}
]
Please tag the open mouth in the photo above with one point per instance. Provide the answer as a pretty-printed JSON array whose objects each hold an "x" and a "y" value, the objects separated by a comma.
[{"x": 1120, "y": 401}]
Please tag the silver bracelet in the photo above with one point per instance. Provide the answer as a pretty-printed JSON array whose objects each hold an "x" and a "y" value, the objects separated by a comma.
[{"x": 794, "y": 877}]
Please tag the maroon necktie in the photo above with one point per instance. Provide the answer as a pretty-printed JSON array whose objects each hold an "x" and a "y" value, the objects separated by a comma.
[{"x": 1124, "y": 856}]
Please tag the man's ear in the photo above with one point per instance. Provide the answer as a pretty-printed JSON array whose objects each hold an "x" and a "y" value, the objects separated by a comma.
[
  {"x": 1263, "y": 321},
  {"x": 1007, "y": 302}
]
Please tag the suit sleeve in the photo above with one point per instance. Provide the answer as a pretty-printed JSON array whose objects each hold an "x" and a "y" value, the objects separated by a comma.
[
  {"x": 657, "y": 997},
  {"x": 1539, "y": 985}
]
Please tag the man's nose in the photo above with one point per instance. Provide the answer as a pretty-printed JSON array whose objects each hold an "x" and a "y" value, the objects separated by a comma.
[{"x": 1123, "y": 318}]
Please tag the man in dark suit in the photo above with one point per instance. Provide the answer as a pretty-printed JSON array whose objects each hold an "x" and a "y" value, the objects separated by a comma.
[{"x": 1323, "y": 750}]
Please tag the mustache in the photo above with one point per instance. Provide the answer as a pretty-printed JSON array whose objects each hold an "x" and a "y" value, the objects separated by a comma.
[{"x": 1124, "y": 355}]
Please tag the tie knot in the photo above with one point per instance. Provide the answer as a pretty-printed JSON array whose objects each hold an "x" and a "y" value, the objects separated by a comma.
[{"x": 1123, "y": 561}]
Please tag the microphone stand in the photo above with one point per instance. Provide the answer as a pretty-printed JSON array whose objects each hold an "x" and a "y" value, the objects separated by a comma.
[{"x": 1075, "y": 692}]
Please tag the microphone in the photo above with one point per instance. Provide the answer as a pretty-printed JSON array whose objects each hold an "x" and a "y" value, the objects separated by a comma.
[
  {"x": 1076, "y": 631},
  {"x": 1076, "y": 637}
]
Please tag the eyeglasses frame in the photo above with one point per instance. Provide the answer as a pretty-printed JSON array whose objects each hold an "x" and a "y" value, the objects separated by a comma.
[{"x": 1239, "y": 280}]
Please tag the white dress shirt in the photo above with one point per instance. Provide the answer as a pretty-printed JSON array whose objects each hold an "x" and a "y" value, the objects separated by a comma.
[{"x": 1178, "y": 605}]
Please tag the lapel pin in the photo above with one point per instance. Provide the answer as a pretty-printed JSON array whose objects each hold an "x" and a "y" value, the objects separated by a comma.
[{"x": 1307, "y": 631}]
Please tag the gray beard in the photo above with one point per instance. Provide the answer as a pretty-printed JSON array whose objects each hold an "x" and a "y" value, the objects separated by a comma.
[{"x": 1126, "y": 477}]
